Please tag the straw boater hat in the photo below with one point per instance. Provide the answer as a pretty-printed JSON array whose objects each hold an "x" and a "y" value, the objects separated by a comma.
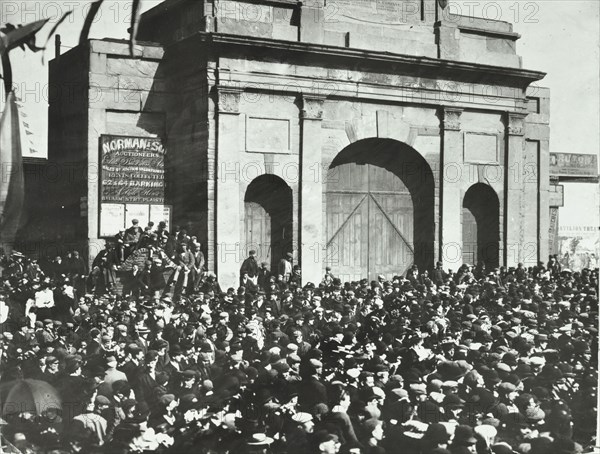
[
  {"x": 302, "y": 417},
  {"x": 260, "y": 439}
]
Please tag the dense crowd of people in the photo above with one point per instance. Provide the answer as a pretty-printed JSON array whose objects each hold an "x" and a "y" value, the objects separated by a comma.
[{"x": 474, "y": 361}]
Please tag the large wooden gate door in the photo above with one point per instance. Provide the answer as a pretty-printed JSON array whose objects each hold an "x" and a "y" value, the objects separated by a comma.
[
  {"x": 469, "y": 238},
  {"x": 258, "y": 232},
  {"x": 370, "y": 219}
]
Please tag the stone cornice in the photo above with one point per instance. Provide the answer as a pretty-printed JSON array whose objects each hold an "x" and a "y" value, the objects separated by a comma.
[
  {"x": 483, "y": 32},
  {"x": 425, "y": 66},
  {"x": 35, "y": 160},
  {"x": 280, "y": 3},
  {"x": 351, "y": 88}
]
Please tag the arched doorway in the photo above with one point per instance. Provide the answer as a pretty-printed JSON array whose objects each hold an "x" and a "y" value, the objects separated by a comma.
[
  {"x": 268, "y": 219},
  {"x": 379, "y": 210},
  {"x": 481, "y": 226}
]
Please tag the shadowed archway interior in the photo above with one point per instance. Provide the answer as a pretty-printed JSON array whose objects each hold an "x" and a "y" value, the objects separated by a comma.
[
  {"x": 379, "y": 210},
  {"x": 268, "y": 219},
  {"x": 481, "y": 226}
]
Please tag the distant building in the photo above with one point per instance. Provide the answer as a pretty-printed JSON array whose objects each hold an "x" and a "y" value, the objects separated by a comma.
[{"x": 365, "y": 136}]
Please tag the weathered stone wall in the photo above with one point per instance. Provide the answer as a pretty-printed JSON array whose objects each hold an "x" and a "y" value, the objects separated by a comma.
[
  {"x": 480, "y": 41},
  {"x": 66, "y": 173},
  {"x": 173, "y": 20},
  {"x": 187, "y": 138},
  {"x": 390, "y": 26},
  {"x": 262, "y": 95},
  {"x": 127, "y": 96},
  {"x": 255, "y": 19},
  {"x": 484, "y": 154},
  {"x": 463, "y": 130},
  {"x": 410, "y": 27},
  {"x": 259, "y": 135},
  {"x": 110, "y": 93},
  {"x": 537, "y": 171}
]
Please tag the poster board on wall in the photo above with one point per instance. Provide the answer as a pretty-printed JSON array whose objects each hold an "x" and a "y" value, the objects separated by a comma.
[
  {"x": 160, "y": 213},
  {"x": 118, "y": 216},
  {"x": 139, "y": 212},
  {"x": 112, "y": 219}
]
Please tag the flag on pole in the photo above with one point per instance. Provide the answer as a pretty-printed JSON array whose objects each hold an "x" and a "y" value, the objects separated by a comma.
[
  {"x": 29, "y": 145},
  {"x": 135, "y": 23},
  {"x": 21, "y": 36},
  {"x": 12, "y": 188}
]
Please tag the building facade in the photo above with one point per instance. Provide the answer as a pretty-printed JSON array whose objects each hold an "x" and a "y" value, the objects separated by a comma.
[{"x": 362, "y": 135}]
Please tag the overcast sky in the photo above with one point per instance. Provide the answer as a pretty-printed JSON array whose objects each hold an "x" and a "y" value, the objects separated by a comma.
[{"x": 559, "y": 37}]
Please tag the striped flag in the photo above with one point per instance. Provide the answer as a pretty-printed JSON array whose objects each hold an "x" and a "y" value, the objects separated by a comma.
[{"x": 12, "y": 190}]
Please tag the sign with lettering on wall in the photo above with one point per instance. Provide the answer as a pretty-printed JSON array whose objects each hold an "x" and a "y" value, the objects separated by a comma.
[
  {"x": 132, "y": 170},
  {"x": 571, "y": 164}
]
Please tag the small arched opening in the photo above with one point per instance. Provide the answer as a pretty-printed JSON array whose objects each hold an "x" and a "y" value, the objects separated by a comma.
[
  {"x": 481, "y": 226},
  {"x": 268, "y": 219}
]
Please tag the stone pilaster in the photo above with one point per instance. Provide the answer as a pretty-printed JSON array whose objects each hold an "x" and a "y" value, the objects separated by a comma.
[
  {"x": 448, "y": 40},
  {"x": 312, "y": 20},
  {"x": 312, "y": 239},
  {"x": 451, "y": 202},
  {"x": 544, "y": 201},
  {"x": 227, "y": 172},
  {"x": 515, "y": 149}
]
